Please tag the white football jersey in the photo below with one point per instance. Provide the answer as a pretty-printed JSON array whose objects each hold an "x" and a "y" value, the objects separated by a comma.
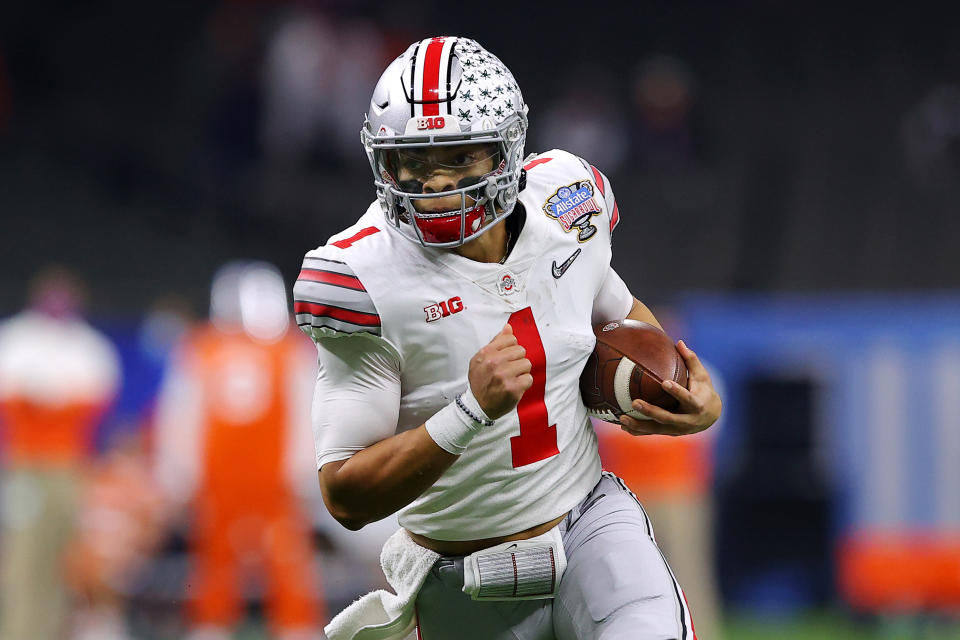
[{"x": 436, "y": 309}]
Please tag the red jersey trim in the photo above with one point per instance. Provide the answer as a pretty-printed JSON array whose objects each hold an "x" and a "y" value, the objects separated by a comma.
[
  {"x": 337, "y": 313},
  {"x": 598, "y": 177},
  {"x": 533, "y": 163},
  {"x": 331, "y": 277}
]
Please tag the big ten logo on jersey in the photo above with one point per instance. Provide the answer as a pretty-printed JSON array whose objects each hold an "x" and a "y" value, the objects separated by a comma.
[
  {"x": 431, "y": 122},
  {"x": 443, "y": 309}
]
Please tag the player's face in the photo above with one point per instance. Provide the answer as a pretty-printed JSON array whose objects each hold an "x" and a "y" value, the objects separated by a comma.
[{"x": 436, "y": 169}]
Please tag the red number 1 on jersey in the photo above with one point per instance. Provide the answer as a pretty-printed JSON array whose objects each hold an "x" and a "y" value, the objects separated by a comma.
[{"x": 538, "y": 438}]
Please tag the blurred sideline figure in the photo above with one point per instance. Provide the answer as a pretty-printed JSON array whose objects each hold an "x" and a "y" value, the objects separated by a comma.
[
  {"x": 123, "y": 518},
  {"x": 119, "y": 527},
  {"x": 232, "y": 418},
  {"x": 673, "y": 479},
  {"x": 57, "y": 377},
  {"x": 589, "y": 122},
  {"x": 664, "y": 96},
  {"x": 671, "y": 476}
]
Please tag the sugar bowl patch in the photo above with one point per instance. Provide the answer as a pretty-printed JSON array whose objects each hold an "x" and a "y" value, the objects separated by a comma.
[{"x": 573, "y": 206}]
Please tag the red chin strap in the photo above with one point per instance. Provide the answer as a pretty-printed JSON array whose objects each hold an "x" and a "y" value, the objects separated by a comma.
[{"x": 447, "y": 228}]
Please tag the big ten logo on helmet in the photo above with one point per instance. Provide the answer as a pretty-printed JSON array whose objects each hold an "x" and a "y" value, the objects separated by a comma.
[
  {"x": 573, "y": 206},
  {"x": 431, "y": 122},
  {"x": 443, "y": 309}
]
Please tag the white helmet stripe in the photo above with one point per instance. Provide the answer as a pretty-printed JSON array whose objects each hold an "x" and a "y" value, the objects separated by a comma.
[
  {"x": 446, "y": 67},
  {"x": 413, "y": 81},
  {"x": 417, "y": 86}
]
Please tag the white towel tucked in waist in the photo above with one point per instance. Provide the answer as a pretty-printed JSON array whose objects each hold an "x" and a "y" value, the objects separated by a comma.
[{"x": 381, "y": 615}]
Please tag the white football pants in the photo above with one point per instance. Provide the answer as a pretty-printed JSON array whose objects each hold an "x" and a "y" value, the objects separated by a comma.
[{"x": 617, "y": 585}]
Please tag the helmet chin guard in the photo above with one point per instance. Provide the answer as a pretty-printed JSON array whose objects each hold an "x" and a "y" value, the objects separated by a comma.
[
  {"x": 446, "y": 92},
  {"x": 441, "y": 229}
]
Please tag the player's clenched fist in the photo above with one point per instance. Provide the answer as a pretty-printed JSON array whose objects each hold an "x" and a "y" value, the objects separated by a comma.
[{"x": 499, "y": 374}]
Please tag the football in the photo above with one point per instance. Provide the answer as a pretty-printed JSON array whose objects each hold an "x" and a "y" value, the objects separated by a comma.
[{"x": 630, "y": 361}]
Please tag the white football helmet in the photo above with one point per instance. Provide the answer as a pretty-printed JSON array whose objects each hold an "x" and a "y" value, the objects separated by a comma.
[
  {"x": 443, "y": 92},
  {"x": 250, "y": 296}
]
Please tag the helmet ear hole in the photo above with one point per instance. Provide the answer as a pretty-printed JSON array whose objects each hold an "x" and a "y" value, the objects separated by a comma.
[{"x": 507, "y": 198}]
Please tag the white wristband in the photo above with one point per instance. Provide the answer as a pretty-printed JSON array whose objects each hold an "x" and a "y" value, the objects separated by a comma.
[
  {"x": 468, "y": 403},
  {"x": 454, "y": 426}
]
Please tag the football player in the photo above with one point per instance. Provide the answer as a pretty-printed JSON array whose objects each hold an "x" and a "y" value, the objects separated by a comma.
[{"x": 452, "y": 323}]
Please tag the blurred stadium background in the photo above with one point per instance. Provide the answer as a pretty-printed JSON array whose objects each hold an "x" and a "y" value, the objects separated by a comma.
[{"x": 789, "y": 175}]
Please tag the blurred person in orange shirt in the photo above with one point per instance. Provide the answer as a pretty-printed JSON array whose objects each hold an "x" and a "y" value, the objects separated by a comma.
[
  {"x": 673, "y": 479},
  {"x": 231, "y": 423},
  {"x": 58, "y": 375}
]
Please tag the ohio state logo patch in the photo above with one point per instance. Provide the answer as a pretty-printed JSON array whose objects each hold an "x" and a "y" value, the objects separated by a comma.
[
  {"x": 573, "y": 206},
  {"x": 507, "y": 283}
]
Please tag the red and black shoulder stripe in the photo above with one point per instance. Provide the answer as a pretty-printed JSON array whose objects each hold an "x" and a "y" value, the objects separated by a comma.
[
  {"x": 329, "y": 295},
  {"x": 606, "y": 192}
]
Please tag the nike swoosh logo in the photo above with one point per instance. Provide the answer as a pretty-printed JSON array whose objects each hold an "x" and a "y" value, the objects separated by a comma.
[{"x": 559, "y": 271}]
